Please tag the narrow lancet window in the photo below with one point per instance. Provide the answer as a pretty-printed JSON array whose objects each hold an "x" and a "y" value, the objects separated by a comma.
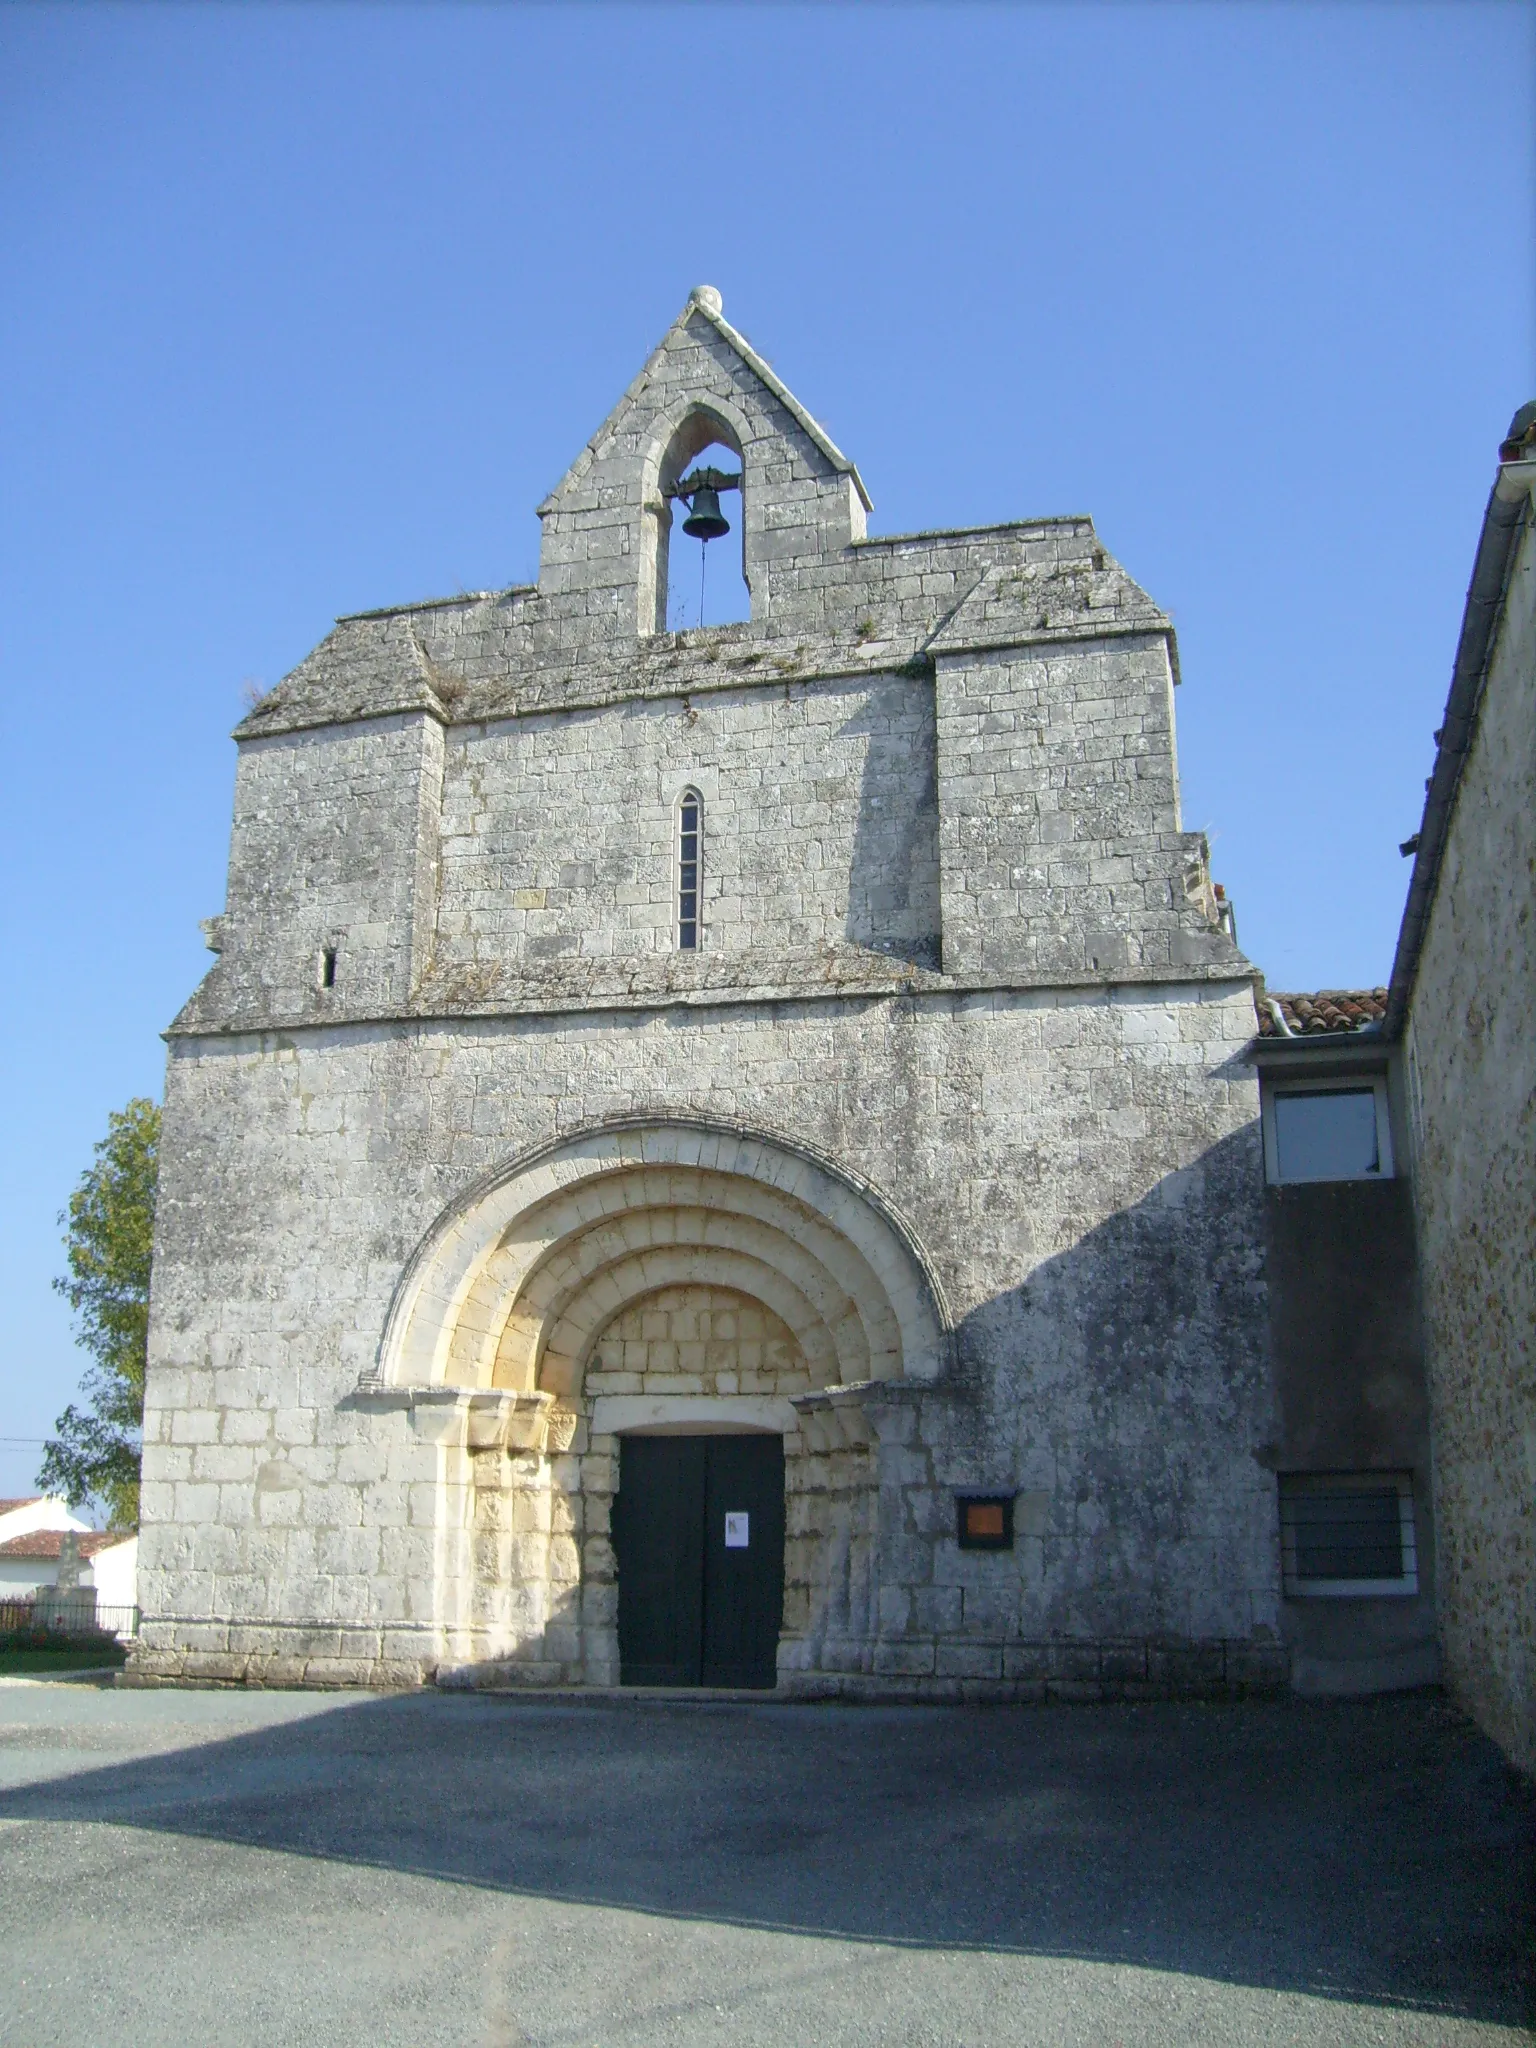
[{"x": 690, "y": 820}]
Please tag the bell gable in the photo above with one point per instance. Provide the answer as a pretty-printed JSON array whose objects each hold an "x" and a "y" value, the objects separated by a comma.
[{"x": 607, "y": 525}]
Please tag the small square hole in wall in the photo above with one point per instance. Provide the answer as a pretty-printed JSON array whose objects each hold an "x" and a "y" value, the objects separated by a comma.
[{"x": 985, "y": 1521}]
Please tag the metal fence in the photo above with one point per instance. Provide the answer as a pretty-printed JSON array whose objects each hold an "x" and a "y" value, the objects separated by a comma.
[{"x": 67, "y": 1615}]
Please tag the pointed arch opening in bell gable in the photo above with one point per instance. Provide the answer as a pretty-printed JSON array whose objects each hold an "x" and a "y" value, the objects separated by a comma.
[{"x": 700, "y": 583}]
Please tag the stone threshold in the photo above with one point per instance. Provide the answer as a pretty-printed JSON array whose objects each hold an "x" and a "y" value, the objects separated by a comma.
[
  {"x": 941, "y": 1692},
  {"x": 879, "y": 1692},
  {"x": 823, "y": 1690},
  {"x": 636, "y": 1695}
]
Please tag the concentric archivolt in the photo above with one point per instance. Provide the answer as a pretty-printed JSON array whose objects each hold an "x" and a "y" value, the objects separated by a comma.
[{"x": 513, "y": 1289}]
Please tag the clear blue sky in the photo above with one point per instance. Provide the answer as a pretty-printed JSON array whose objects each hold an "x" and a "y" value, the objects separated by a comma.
[{"x": 305, "y": 308}]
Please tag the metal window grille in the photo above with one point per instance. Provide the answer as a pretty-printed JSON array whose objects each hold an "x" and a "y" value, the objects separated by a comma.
[
  {"x": 1348, "y": 1535},
  {"x": 690, "y": 821}
]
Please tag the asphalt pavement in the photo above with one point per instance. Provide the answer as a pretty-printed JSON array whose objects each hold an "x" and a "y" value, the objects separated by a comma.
[{"x": 186, "y": 1867}]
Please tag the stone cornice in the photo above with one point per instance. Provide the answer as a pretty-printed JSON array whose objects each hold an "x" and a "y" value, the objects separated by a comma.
[{"x": 911, "y": 982}]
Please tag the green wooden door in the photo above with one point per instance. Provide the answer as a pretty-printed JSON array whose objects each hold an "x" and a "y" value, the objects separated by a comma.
[
  {"x": 698, "y": 1531},
  {"x": 658, "y": 1539},
  {"x": 743, "y": 1558}
]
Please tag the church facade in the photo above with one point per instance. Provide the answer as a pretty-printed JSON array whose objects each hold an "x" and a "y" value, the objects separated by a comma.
[{"x": 725, "y": 1156}]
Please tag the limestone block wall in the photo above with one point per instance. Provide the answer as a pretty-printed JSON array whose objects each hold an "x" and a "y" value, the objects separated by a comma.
[
  {"x": 697, "y": 1340},
  {"x": 1018, "y": 816},
  {"x": 334, "y": 844},
  {"x": 1060, "y": 837},
  {"x": 559, "y": 833},
  {"x": 1081, "y": 1168},
  {"x": 832, "y": 1550},
  {"x": 1473, "y": 1080}
]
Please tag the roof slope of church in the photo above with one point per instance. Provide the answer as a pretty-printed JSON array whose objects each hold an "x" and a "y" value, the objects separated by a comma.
[
  {"x": 891, "y": 602},
  {"x": 465, "y": 660}
]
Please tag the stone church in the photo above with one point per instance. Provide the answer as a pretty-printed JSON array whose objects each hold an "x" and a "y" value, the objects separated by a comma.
[{"x": 720, "y": 1157}]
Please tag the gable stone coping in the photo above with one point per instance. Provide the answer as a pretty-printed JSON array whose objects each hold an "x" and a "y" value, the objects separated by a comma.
[{"x": 704, "y": 303}]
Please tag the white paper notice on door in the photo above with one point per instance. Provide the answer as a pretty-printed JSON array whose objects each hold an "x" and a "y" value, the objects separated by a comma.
[{"x": 736, "y": 1532}]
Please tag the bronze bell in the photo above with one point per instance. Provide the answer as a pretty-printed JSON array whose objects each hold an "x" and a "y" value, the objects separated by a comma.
[{"x": 705, "y": 520}]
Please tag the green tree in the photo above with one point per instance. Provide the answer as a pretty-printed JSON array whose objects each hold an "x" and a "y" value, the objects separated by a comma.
[{"x": 109, "y": 1229}]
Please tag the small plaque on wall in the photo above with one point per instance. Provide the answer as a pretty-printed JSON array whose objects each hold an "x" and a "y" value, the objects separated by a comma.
[
  {"x": 737, "y": 1531},
  {"x": 985, "y": 1521}
]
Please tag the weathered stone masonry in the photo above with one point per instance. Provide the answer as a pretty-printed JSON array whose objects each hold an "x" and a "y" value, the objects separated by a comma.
[
  {"x": 939, "y": 1156},
  {"x": 1463, "y": 996}
]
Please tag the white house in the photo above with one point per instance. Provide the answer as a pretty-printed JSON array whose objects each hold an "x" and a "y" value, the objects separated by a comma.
[
  {"x": 32, "y": 1533},
  {"x": 37, "y": 1511},
  {"x": 29, "y": 1538}
]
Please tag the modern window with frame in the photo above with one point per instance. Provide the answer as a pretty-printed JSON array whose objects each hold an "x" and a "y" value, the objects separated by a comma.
[
  {"x": 690, "y": 868},
  {"x": 1327, "y": 1130},
  {"x": 1347, "y": 1535}
]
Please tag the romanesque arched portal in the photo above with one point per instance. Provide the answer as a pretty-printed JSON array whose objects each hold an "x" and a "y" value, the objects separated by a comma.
[{"x": 656, "y": 1277}]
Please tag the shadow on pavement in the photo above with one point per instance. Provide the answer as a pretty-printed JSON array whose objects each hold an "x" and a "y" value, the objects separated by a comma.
[{"x": 1376, "y": 1850}]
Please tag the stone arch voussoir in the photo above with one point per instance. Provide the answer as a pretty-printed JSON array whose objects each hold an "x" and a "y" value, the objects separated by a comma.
[
  {"x": 835, "y": 1241},
  {"x": 684, "y": 1233},
  {"x": 569, "y": 1340}
]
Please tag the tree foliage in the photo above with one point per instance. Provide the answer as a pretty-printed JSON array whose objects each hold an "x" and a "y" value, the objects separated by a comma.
[{"x": 109, "y": 1229}]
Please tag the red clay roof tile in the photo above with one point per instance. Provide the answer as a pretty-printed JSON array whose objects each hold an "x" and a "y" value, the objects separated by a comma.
[
  {"x": 44, "y": 1543},
  {"x": 1329, "y": 1012}
]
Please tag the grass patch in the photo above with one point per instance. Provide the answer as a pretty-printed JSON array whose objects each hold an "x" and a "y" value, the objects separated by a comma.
[
  {"x": 39, "y": 1663},
  {"x": 34, "y": 1652}
]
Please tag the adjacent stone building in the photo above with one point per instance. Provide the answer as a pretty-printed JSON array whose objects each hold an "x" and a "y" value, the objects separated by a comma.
[
  {"x": 748, "y": 1136},
  {"x": 1352, "y": 1447},
  {"x": 1463, "y": 1002}
]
